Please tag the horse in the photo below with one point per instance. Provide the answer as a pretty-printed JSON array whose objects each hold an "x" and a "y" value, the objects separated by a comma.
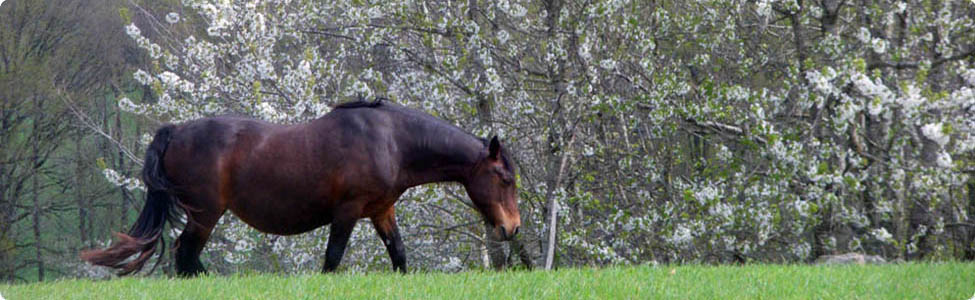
[{"x": 351, "y": 163}]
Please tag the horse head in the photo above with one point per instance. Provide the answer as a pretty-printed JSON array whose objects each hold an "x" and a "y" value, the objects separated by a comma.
[{"x": 491, "y": 186}]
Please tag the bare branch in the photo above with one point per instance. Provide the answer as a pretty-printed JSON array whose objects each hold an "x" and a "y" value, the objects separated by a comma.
[
  {"x": 87, "y": 122},
  {"x": 915, "y": 65}
]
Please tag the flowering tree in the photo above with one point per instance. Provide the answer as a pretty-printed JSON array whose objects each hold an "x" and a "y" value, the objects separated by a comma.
[{"x": 708, "y": 131}]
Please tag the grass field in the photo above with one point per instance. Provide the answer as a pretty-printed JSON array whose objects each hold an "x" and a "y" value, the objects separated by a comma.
[{"x": 900, "y": 281}]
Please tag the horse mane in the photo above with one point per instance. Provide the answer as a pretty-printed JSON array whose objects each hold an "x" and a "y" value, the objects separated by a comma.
[
  {"x": 362, "y": 102},
  {"x": 440, "y": 126}
]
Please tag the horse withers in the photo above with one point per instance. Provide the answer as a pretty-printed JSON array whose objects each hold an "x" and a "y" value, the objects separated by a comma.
[{"x": 351, "y": 163}]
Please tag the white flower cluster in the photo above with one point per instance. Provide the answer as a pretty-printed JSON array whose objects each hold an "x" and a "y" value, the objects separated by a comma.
[
  {"x": 173, "y": 82},
  {"x": 172, "y": 18},
  {"x": 708, "y": 193},
  {"x": 911, "y": 98},
  {"x": 764, "y": 8},
  {"x": 133, "y": 31},
  {"x": 944, "y": 160},
  {"x": 609, "y": 64},
  {"x": 935, "y": 133},
  {"x": 969, "y": 76},
  {"x": 512, "y": 9},
  {"x": 142, "y": 77},
  {"x": 882, "y": 235},
  {"x": 681, "y": 236},
  {"x": 876, "y": 44},
  {"x": 878, "y": 93},
  {"x": 802, "y": 250},
  {"x": 117, "y": 179},
  {"x": 723, "y": 212},
  {"x": 503, "y": 36},
  {"x": 821, "y": 83}
]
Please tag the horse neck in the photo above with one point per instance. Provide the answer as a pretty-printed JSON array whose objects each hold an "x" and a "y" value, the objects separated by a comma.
[{"x": 439, "y": 155}]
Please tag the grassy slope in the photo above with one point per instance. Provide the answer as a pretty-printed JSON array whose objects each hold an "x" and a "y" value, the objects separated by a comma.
[{"x": 903, "y": 281}]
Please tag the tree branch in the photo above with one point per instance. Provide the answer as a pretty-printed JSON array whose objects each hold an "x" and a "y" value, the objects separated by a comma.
[{"x": 915, "y": 65}]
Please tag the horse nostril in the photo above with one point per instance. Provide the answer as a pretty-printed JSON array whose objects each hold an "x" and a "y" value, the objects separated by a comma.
[
  {"x": 514, "y": 233},
  {"x": 504, "y": 232}
]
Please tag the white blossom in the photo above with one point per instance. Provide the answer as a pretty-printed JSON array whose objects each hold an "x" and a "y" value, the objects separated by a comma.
[
  {"x": 881, "y": 234},
  {"x": 911, "y": 248},
  {"x": 117, "y": 179},
  {"x": 802, "y": 250},
  {"x": 802, "y": 207},
  {"x": 517, "y": 10},
  {"x": 172, "y": 17},
  {"x": 142, "y": 77},
  {"x": 125, "y": 104},
  {"x": 944, "y": 160},
  {"x": 722, "y": 211},
  {"x": 494, "y": 81},
  {"x": 243, "y": 245},
  {"x": 503, "y": 36},
  {"x": 969, "y": 76},
  {"x": 879, "y": 45},
  {"x": 145, "y": 139},
  {"x": 864, "y": 35},
  {"x": 682, "y": 235},
  {"x": 901, "y": 7},
  {"x": 935, "y": 133},
  {"x": 965, "y": 145},
  {"x": 878, "y": 95},
  {"x": 706, "y": 194},
  {"x": 911, "y": 98},
  {"x": 453, "y": 264},
  {"x": 724, "y": 154},
  {"x": 133, "y": 31},
  {"x": 763, "y": 8}
]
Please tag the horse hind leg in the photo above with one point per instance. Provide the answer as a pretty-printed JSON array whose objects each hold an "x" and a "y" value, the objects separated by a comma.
[{"x": 191, "y": 242}]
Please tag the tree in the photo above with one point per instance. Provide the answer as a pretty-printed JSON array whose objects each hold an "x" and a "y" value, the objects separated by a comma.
[
  {"x": 49, "y": 51},
  {"x": 660, "y": 131}
]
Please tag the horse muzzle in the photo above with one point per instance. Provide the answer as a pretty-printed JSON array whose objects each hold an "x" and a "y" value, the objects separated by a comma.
[{"x": 507, "y": 233}]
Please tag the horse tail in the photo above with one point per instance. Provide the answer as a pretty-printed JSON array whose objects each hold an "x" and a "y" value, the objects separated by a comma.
[{"x": 147, "y": 233}]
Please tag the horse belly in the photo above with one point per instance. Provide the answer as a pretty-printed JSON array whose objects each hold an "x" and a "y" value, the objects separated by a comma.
[
  {"x": 278, "y": 184},
  {"x": 280, "y": 216}
]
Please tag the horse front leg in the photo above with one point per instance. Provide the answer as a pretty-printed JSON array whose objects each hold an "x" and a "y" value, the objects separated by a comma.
[
  {"x": 385, "y": 224},
  {"x": 338, "y": 238}
]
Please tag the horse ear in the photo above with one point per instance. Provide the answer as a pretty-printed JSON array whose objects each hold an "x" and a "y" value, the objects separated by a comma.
[{"x": 494, "y": 148}]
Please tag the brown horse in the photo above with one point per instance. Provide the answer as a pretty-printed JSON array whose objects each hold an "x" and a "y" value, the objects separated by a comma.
[{"x": 352, "y": 163}]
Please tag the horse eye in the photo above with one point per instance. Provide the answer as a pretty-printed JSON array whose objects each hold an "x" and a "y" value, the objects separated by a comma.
[{"x": 505, "y": 178}]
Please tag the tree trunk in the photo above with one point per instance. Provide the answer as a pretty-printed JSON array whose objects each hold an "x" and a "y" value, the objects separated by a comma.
[
  {"x": 970, "y": 246},
  {"x": 553, "y": 203},
  {"x": 35, "y": 188},
  {"x": 120, "y": 167},
  {"x": 79, "y": 193}
]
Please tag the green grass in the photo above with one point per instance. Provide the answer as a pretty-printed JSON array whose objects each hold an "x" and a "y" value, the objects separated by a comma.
[{"x": 900, "y": 281}]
